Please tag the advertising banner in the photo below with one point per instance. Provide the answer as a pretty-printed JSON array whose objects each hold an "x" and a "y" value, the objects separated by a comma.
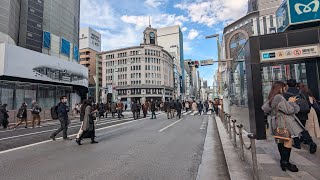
[
  {"x": 28, "y": 64},
  {"x": 282, "y": 15}
]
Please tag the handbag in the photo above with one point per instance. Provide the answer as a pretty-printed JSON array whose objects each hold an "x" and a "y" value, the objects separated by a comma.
[{"x": 281, "y": 133}]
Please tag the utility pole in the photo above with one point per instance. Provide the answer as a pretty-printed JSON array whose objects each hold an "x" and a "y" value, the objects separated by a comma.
[{"x": 97, "y": 77}]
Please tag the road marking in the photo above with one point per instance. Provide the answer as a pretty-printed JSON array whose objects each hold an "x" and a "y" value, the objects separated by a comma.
[
  {"x": 170, "y": 125},
  {"x": 40, "y": 132},
  {"x": 42, "y": 142}
]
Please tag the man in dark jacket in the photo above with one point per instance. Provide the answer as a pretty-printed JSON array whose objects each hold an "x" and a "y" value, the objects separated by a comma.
[
  {"x": 153, "y": 109},
  {"x": 173, "y": 108},
  {"x": 134, "y": 109},
  {"x": 167, "y": 107},
  {"x": 22, "y": 115},
  {"x": 302, "y": 116},
  {"x": 294, "y": 91},
  {"x": 200, "y": 107},
  {"x": 178, "y": 108},
  {"x": 62, "y": 111},
  {"x": 4, "y": 116}
]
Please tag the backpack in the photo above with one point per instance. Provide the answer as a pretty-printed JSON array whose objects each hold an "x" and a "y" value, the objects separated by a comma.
[
  {"x": 302, "y": 101},
  {"x": 20, "y": 113},
  {"x": 54, "y": 112}
]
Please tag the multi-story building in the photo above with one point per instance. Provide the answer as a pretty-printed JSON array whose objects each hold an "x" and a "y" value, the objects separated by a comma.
[
  {"x": 89, "y": 47},
  {"x": 40, "y": 52},
  {"x": 171, "y": 39},
  {"x": 140, "y": 72}
]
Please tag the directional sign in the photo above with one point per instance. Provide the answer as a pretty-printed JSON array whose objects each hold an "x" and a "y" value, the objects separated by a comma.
[{"x": 206, "y": 62}]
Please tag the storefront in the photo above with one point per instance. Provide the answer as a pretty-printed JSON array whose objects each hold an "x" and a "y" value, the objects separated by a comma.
[
  {"x": 269, "y": 58},
  {"x": 26, "y": 75}
]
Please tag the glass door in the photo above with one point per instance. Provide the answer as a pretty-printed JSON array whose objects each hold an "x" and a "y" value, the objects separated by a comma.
[{"x": 281, "y": 72}]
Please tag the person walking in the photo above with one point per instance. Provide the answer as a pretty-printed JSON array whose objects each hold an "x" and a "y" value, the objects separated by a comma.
[
  {"x": 153, "y": 109},
  {"x": 113, "y": 109},
  {"x": 139, "y": 108},
  {"x": 210, "y": 106},
  {"x": 102, "y": 110},
  {"x": 22, "y": 115},
  {"x": 87, "y": 129},
  {"x": 134, "y": 109},
  {"x": 200, "y": 107},
  {"x": 167, "y": 107},
  {"x": 187, "y": 106},
  {"x": 107, "y": 108},
  {"x": 4, "y": 116},
  {"x": 62, "y": 110},
  {"x": 206, "y": 105},
  {"x": 282, "y": 115},
  {"x": 120, "y": 107},
  {"x": 194, "y": 107},
  {"x": 216, "y": 106},
  {"x": 179, "y": 109},
  {"x": 173, "y": 108},
  {"x": 145, "y": 108},
  {"x": 35, "y": 111}
]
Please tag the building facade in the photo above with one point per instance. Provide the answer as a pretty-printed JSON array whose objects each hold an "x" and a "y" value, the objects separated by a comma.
[
  {"x": 39, "y": 52},
  {"x": 138, "y": 73},
  {"x": 89, "y": 47},
  {"x": 171, "y": 39}
]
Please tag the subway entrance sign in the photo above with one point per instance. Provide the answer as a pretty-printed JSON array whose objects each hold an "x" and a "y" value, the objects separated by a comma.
[{"x": 293, "y": 12}]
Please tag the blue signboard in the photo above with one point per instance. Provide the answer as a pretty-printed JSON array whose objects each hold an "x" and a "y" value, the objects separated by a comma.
[
  {"x": 282, "y": 15},
  {"x": 76, "y": 53},
  {"x": 304, "y": 11},
  {"x": 46, "y": 39},
  {"x": 65, "y": 47}
]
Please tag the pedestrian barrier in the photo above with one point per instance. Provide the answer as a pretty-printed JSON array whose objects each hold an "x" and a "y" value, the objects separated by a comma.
[{"x": 231, "y": 128}]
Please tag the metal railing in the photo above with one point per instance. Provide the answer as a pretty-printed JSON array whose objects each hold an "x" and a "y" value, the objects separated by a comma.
[{"x": 231, "y": 128}]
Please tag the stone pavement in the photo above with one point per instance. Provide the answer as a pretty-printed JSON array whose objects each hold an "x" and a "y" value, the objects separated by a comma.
[{"x": 268, "y": 160}]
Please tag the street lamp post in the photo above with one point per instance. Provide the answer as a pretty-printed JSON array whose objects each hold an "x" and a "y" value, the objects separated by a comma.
[{"x": 219, "y": 59}]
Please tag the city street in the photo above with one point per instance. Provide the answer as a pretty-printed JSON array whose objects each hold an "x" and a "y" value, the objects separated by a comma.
[{"x": 128, "y": 149}]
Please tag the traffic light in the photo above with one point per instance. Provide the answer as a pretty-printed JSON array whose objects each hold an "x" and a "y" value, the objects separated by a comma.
[{"x": 196, "y": 64}]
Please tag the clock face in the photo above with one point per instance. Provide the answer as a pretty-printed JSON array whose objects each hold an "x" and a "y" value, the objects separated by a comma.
[{"x": 152, "y": 35}]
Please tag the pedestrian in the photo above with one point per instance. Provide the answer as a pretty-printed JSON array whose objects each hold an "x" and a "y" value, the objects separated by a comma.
[
  {"x": 102, "y": 110},
  {"x": 206, "y": 105},
  {"x": 35, "y": 111},
  {"x": 178, "y": 108},
  {"x": 87, "y": 129},
  {"x": 194, "y": 106},
  {"x": 120, "y": 107},
  {"x": 134, "y": 109},
  {"x": 22, "y": 115},
  {"x": 312, "y": 124},
  {"x": 125, "y": 106},
  {"x": 113, "y": 108},
  {"x": 153, "y": 109},
  {"x": 145, "y": 108},
  {"x": 139, "y": 108},
  {"x": 4, "y": 116},
  {"x": 62, "y": 110},
  {"x": 200, "y": 107},
  {"x": 107, "y": 107},
  {"x": 210, "y": 106},
  {"x": 167, "y": 107},
  {"x": 294, "y": 91},
  {"x": 216, "y": 106},
  {"x": 187, "y": 105},
  {"x": 282, "y": 115},
  {"x": 161, "y": 106},
  {"x": 173, "y": 108}
]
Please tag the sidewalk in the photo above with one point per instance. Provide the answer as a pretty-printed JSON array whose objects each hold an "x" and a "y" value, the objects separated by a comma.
[{"x": 268, "y": 159}]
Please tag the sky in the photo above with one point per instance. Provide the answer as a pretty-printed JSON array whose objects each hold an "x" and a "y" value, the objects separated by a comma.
[{"x": 121, "y": 23}]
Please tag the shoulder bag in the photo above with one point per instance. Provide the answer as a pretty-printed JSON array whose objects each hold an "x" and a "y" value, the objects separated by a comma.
[{"x": 281, "y": 133}]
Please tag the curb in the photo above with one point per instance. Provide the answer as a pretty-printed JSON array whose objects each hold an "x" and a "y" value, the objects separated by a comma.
[{"x": 236, "y": 167}]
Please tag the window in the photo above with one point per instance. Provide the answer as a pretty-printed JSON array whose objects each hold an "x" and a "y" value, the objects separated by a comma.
[
  {"x": 265, "y": 25},
  {"x": 271, "y": 21}
]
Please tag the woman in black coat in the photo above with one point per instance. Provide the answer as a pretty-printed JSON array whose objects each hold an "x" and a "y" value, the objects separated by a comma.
[{"x": 4, "y": 116}]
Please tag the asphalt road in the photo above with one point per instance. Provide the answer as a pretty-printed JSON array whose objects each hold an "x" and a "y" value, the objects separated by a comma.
[{"x": 143, "y": 149}]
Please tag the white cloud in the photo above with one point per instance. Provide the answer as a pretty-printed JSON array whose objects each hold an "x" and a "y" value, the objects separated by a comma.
[
  {"x": 154, "y": 3},
  {"x": 187, "y": 48},
  {"x": 157, "y": 21},
  {"x": 193, "y": 34},
  {"x": 184, "y": 29},
  {"x": 214, "y": 11},
  {"x": 98, "y": 14}
]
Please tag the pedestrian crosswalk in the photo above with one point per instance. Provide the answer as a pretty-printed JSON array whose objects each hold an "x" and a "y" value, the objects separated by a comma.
[{"x": 194, "y": 113}]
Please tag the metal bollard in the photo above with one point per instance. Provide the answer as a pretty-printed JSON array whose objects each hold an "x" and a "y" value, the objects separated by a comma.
[
  {"x": 234, "y": 132},
  {"x": 229, "y": 126},
  {"x": 254, "y": 156},
  {"x": 241, "y": 142}
]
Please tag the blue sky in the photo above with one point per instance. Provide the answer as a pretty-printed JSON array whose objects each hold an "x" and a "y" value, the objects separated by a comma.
[{"x": 121, "y": 22}]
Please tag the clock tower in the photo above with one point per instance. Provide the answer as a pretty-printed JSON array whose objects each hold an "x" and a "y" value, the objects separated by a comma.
[{"x": 150, "y": 36}]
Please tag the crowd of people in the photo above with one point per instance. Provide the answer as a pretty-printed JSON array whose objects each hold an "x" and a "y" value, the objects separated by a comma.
[{"x": 293, "y": 114}]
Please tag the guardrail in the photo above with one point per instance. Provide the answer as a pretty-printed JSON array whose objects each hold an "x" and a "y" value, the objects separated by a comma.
[{"x": 231, "y": 128}]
